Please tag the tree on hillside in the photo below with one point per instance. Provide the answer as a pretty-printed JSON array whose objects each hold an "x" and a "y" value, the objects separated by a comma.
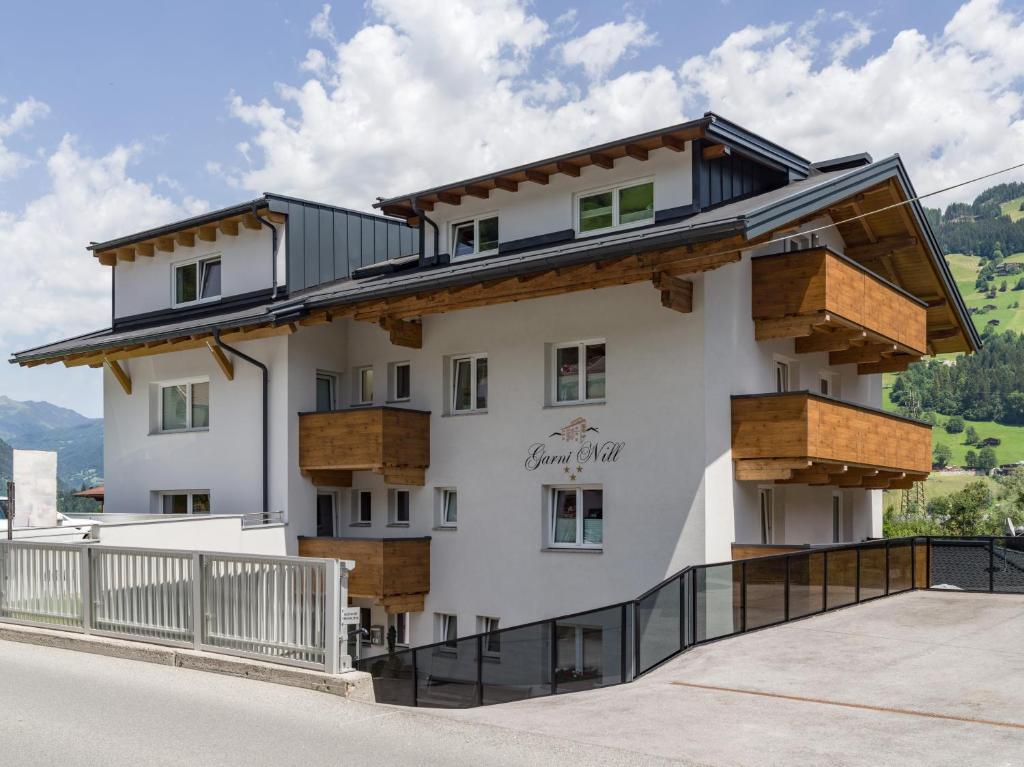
[
  {"x": 955, "y": 425},
  {"x": 941, "y": 455},
  {"x": 970, "y": 460},
  {"x": 971, "y": 438},
  {"x": 1002, "y": 286},
  {"x": 1020, "y": 284},
  {"x": 1013, "y": 408},
  {"x": 987, "y": 459},
  {"x": 965, "y": 510}
]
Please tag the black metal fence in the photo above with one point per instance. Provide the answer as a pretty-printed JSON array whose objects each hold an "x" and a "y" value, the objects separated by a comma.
[{"x": 702, "y": 603}]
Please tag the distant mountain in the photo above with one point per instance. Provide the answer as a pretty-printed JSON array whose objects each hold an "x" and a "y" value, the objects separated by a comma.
[
  {"x": 77, "y": 439},
  {"x": 6, "y": 463}
]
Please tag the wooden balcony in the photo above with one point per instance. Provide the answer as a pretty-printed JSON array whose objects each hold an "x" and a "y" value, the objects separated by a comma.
[
  {"x": 804, "y": 438},
  {"x": 393, "y": 571},
  {"x": 830, "y": 303},
  {"x": 393, "y": 442}
]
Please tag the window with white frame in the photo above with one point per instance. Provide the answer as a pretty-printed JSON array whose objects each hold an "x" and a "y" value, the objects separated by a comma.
[
  {"x": 783, "y": 375},
  {"x": 619, "y": 206},
  {"x": 837, "y": 518},
  {"x": 398, "y": 507},
  {"x": 326, "y": 391},
  {"x": 447, "y": 507},
  {"x": 766, "y": 501},
  {"x": 578, "y": 372},
  {"x": 362, "y": 507},
  {"x": 182, "y": 502},
  {"x": 362, "y": 380},
  {"x": 196, "y": 281},
  {"x": 447, "y": 629},
  {"x": 489, "y": 628},
  {"x": 828, "y": 385},
  {"x": 469, "y": 383},
  {"x": 400, "y": 623},
  {"x": 576, "y": 517},
  {"x": 477, "y": 237},
  {"x": 400, "y": 383},
  {"x": 183, "y": 406}
]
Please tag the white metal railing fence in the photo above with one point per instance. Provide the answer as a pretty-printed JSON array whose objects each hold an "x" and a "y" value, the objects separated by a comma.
[
  {"x": 280, "y": 609},
  {"x": 262, "y": 519}
]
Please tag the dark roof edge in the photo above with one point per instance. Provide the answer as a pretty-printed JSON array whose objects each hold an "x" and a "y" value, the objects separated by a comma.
[
  {"x": 857, "y": 179},
  {"x": 845, "y": 162},
  {"x": 731, "y": 133}
]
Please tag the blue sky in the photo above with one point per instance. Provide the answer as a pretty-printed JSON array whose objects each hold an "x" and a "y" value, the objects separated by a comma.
[{"x": 116, "y": 115}]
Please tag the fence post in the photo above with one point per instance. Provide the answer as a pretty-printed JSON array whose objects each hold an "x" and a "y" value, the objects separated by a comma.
[
  {"x": 198, "y": 608},
  {"x": 333, "y": 573},
  {"x": 554, "y": 656},
  {"x": 85, "y": 585},
  {"x": 623, "y": 642},
  {"x": 479, "y": 669},
  {"x": 991, "y": 565},
  {"x": 913, "y": 563},
  {"x": 743, "y": 596},
  {"x": 856, "y": 592},
  {"x": 682, "y": 616},
  {"x": 636, "y": 633},
  {"x": 887, "y": 567},
  {"x": 824, "y": 580},
  {"x": 785, "y": 591}
]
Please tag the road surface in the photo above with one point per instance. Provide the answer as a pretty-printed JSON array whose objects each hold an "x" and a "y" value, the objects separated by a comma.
[{"x": 59, "y": 707}]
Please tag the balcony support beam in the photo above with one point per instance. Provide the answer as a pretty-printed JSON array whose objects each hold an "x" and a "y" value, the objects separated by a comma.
[
  {"x": 330, "y": 477},
  {"x": 403, "y": 332}
]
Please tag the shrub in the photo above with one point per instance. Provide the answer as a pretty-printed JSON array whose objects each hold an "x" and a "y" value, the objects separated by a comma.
[{"x": 955, "y": 425}]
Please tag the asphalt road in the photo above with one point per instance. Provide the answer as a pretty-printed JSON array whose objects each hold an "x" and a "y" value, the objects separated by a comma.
[{"x": 71, "y": 708}]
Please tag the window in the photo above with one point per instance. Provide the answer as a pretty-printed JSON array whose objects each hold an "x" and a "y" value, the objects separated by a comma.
[
  {"x": 469, "y": 383},
  {"x": 400, "y": 623},
  {"x": 766, "y": 498},
  {"x": 492, "y": 639},
  {"x": 325, "y": 515},
  {"x": 363, "y": 394},
  {"x": 184, "y": 406},
  {"x": 573, "y": 382},
  {"x": 401, "y": 382},
  {"x": 326, "y": 392},
  {"x": 837, "y": 518},
  {"x": 399, "y": 507},
  {"x": 577, "y": 517},
  {"x": 196, "y": 281},
  {"x": 362, "y": 507},
  {"x": 782, "y": 376},
  {"x": 828, "y": 385},
  {"x": 365, "y": 623},
  {"x": 447, "y": 629},
  {"x": 616, "y": 207},
  {"x": 447, "y": 507},
  {"x": 197, "y": 502},
  {"x": 475, "y": 238}
]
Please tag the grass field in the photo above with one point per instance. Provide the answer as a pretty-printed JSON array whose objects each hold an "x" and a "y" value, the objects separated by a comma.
[
  {"x": 939, "y": 484},
  {"x": 965, "y": 272},
  {"x": 1012, "y": 209}
]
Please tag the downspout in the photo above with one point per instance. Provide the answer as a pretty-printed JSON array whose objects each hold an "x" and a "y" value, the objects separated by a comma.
[
  {"x": 266, "y": 380},
  {"x": 273, "y": 250},
  {"x": 437, "y": 232}
]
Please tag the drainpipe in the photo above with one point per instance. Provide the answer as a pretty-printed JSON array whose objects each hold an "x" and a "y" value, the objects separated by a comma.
[
  {"x": 266, "y": 445},
  {"x": 273, "y": 250},
  {"x": 423, "y": 217}
]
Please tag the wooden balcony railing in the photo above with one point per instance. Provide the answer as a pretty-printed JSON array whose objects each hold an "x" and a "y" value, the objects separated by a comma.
[
  {"x": 830, "y": 303},
  {"x": 393, "y": 571},
  {"x": 804, "y": 438},
  {"x": 393, "y": 442}
]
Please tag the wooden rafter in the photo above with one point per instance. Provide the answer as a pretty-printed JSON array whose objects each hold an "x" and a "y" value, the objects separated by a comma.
[
  {"x": 225, "y": 365},
  {"x": 715, "y": 152},
  {"x": 403, "y": 332},
  {"x": 120, "y": 375}
]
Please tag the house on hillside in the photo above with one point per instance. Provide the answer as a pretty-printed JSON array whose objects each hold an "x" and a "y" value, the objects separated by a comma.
[{"x": 537, "y": 390}]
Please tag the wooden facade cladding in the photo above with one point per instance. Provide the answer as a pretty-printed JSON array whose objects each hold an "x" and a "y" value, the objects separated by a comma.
[
  {"x": 830, "y": 303},
  {"x": 393, "y": 442},
  {"x": 804, "y": 438},
  {"x": 393, "y": 571}
]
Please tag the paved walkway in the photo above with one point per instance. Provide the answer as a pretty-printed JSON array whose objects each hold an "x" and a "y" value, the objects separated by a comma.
[{"x": 923, "y": 678}]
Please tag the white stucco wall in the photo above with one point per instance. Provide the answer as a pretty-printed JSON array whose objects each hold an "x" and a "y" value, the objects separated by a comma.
[
  {"x": 145, "y": 285},
  {"x": 194, "y": 533}
]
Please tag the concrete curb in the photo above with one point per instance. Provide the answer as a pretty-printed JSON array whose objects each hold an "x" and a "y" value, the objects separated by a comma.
[{"x": 354, "y": 685}]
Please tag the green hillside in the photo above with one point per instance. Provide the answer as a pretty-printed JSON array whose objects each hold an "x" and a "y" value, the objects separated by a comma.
[
  {"x": 1013, "y": 208},
  {"x": 1005, "y": 307}
]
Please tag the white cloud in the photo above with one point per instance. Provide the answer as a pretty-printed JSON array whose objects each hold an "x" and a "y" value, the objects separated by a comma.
[
  {"x": 52, "y": 286},
  {"x": 24, "y": 114},
  {"x": 602, "y": 47}
]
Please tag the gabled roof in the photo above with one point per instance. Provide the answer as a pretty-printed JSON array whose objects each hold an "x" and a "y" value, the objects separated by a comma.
[{"x": 711, "y": 127}]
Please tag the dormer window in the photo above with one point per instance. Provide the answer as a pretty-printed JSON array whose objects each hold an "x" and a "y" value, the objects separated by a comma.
[
  {"x": 196, "y": 281},
  {"x": 478, "y": 237},
  {"x": 620, "y": 206}
]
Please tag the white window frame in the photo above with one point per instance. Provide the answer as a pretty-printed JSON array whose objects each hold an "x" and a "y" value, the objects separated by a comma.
[
  {"x": 581, "y": 372},
  {"x": 198, "y": 261},
  {"x": 161, "y": 494},
  {"x": 766, "y": 516},
  {"x": 615, "y": 189},
  {"x": 453, "y": 391},
  {"x": 486, "y": 624},
  {"x": 188, "y": 383},
  {"x": 442, "y": 496},
  {"x": 778, "y": 361},
  {"x": 334, "y": 380},
  {"x": 475, "y": 221},
  {"x": 446, "y": 622},
  {"x": 357, "y": 386},
  {"x": 393, "y": 496},
  {"x": 401, "y": 640},
  {"x": 552, "y": 493},
  {"x": 837, "y": 517},
  {"x": 393, "y": 381},
  {"x": 356, "y": 517}
]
